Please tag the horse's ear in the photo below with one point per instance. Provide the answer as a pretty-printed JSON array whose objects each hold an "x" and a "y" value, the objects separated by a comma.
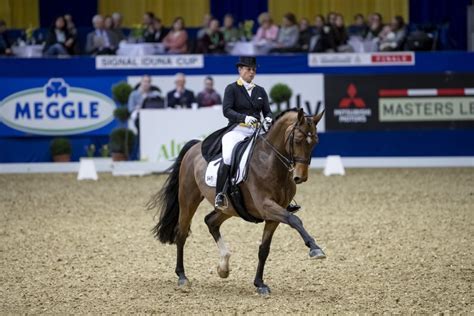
[
  {"x": 318, "y": 117},
  {"x": 300, "y": 115}
]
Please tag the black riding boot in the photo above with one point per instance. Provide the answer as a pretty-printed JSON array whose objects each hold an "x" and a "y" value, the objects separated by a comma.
[{"x": 222, "y": 175}]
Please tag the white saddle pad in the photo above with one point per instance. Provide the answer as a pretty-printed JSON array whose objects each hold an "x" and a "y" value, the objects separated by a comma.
[{"x": 213, "y": 167}]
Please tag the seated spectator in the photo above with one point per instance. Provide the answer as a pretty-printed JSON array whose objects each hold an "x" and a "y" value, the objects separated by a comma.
[
  {"x": 109, "y": 27},
  {"x": 100, "y": 41},
  {"x": 287, "y": 35},
  {"x": 117, "y": 26},
  {"x": 305, "y": 35},
  {"x": 5, "y": 44},
  {"x": 176, "y": 40},
  {"x": 331, "y": 19},
  {"x": 58, "y": 40},
  {"x": 71, "y": 28},
  {"x": 213, "y": 41},
  {"x": 393, "y": 36},
  {"x": 206, "y": 20},
  {"x": 359, "y": 27},
  {"x": 147, "y": 20},
  {"x": 267, "y": 33},
  {"x": 209, "y": 96},
  {"x": 323, "y": 39},
  {"x": 375, "y": 26},
  {"x": 340, "y": 35},
  {"x": 138, "y": 97},
  {"x": 180, "y": 97},
  {"x": 155, "y": 33},
  {"x": 231, "y": 33}
]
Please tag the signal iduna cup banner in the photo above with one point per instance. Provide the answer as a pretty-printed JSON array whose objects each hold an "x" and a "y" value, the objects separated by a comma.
[{"x": 56, "y": 106}]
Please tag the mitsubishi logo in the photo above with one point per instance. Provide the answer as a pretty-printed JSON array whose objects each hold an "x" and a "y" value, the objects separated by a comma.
[{"x": 352, "y": 99}]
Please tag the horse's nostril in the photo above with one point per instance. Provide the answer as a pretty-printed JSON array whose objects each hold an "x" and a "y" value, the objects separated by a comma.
[{"x": 297, "y": 179}]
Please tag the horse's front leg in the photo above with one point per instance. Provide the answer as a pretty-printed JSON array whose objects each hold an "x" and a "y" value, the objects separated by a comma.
[
  {"x": 263, "y": 252},
  {"x": 274, "y": 212}
]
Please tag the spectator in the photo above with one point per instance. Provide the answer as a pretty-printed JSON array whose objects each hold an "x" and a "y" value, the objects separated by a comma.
[
  {"x": 176, "y": 40},
  {"x": 155, "y": 33},
  {"x": 323, "y": 39},
  {"x": 71, "y": 28},
  {"x": 359, "y": 27},
  {"x": 375, "y": 26},
  {"x": 139, "y": 96},
  {"x": 5, "y": 44},
  {"x": 267, "y": 33},
  {"x": 206, "y": 20},
  {"x": 331, "y": 18},
  {"x": 180, "y": 97},
  {"x": 209, "y": 96},
  {"x": 58, "y": 40},
  {"x": 231, "y": 33},
  {"x": 100, "y": 41},
  {"x": 340, "y": 35},
  {"x": 287, "y": 35},
  {"x": 213, "y": 41},
  {"x": 117, "y": 26},
  {"x": 305, "y": 35},
  {"x": 393, "y": 37},
  {"x": 109, "y": 26},
  {"x": 148, "y": 18}
]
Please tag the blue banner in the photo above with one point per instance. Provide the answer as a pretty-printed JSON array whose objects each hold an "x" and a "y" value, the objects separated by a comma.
[{"x": 56, "y": 106}]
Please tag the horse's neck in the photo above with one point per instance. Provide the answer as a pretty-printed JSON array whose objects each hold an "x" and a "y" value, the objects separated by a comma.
[{"x": 276, "y": 136}]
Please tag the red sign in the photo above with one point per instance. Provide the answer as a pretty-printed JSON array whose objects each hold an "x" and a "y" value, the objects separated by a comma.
[{"x": 392, "y": 58}]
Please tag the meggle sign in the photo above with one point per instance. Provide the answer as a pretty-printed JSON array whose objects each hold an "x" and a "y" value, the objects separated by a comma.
[{"x": 56, "y": 109}]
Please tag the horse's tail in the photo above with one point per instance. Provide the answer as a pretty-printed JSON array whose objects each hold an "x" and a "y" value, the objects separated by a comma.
[{"x": 166, "y": 200}]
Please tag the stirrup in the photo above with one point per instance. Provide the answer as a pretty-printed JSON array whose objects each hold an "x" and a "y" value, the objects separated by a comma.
[{"x": 223, "y": 203}]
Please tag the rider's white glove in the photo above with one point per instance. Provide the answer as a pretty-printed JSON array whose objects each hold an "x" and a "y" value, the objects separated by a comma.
[
  {"x": 267, "y": 123},
  {"x": 249, "y": 120}
]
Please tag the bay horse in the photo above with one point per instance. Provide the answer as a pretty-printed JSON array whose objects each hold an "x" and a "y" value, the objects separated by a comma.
[{"x": 280, "y": 160}]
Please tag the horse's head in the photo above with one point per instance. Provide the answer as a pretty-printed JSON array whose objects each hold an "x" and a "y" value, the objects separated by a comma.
[{"x": 301, "y": 138}]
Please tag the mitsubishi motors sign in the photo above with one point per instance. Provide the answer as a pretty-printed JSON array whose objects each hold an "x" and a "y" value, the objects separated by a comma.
[{"x": 389, "y": 102}]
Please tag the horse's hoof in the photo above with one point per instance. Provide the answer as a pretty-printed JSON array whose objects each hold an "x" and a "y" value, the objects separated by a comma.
[
  {"x": 263, "y": 290},
  {"x": 222, "y": 273},
  {"x": 317, "y": 254},
  {"x": 184, "y": 282}
]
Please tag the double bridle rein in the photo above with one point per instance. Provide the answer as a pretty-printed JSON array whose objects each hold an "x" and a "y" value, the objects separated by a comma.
[{"x": 290, "y": 162}]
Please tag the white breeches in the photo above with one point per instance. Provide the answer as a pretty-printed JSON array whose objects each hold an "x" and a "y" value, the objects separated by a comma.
[{"x": 230, "y": 139}]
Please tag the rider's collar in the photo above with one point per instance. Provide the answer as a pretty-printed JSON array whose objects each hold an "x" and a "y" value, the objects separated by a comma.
[{"x": 248, "y": 86}]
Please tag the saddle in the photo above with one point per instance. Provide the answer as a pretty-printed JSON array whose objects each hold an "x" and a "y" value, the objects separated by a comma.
[{"x": 240, "y": 162}]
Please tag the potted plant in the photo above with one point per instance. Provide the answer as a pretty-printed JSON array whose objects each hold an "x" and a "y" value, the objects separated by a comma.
[
  {"x": 61, "y": 150},
  {"x": 280, "y": 93},
  {"x": 121, "y": 143},
  {"x": 121, "y": 139}
]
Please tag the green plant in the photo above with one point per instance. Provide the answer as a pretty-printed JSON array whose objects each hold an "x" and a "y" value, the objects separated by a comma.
[
  {"x": 121, "y": 91},
  {"x": 60, "y": 146},
  {"x": 122, "y": 114},
  {"x": 122, "y": 141},
  {"x": 104, "y": 151},
  {"x": 280, "y": 93},
  {"x": 90, "y": 150}
]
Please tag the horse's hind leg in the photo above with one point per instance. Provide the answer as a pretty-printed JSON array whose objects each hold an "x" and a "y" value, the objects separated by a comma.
[
  {"x": 189, "y": 199},
  {"x": 214, "y": 221}
]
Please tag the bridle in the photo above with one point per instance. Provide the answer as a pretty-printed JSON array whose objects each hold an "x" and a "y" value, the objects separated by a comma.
[{"x": 290, "y": 162}]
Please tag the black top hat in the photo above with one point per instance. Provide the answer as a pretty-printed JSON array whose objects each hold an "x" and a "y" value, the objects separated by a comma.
[{"x": 248, "y": 61}]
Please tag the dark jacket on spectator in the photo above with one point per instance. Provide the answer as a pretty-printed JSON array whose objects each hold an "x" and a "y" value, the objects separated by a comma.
[
  {"x": 51, "y": 39},
  {"x": 304, "y": 39},
  {"x": 185, "y": 99},
  {"x": 156, "y": 36},
  {"x": 212, "y": 43},
  {"x": 4, "y": 43}
]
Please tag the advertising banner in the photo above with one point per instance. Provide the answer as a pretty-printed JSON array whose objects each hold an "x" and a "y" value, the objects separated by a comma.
[
  {"x": 390, "y": 102},
  {"x": 361, "y": 59},
  {"x": 149, "y": 62},
  {"x": 164, "y": 132},
  {"x": 307, "y": 89},
  {"x": 56, "y": 106}
]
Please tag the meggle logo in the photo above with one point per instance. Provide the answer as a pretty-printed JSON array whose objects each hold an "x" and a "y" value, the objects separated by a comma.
[{"x": 56, "y": 109}]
